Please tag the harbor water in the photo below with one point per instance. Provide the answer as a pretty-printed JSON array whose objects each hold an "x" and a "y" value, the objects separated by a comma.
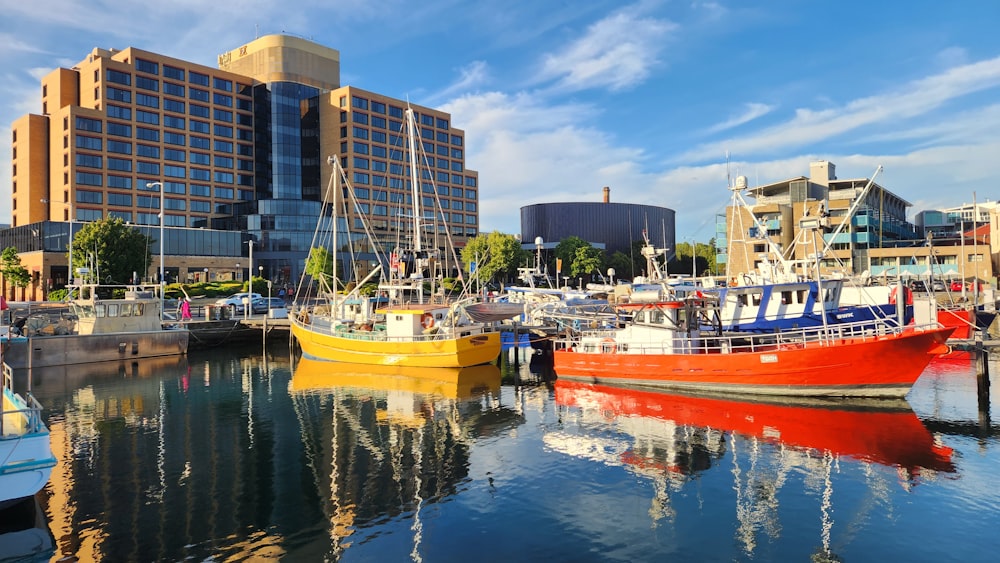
[{"x": 248, "y": 454}]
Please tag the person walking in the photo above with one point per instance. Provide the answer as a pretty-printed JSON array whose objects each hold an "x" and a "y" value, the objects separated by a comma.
[{"x": 186, "y": 309}]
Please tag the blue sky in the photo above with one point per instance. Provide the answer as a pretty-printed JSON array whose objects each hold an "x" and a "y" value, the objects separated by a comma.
[{"x": 560, "y": 98}]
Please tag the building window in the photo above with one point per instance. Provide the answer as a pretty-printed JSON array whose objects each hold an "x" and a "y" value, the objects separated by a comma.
[
  {"x": 175, "y": 106},
  {"x": 147, "y": 151},
  {"x": 86, "y": 124},
  {"x": 149, "y": 67},
  {"x": 198, "y": 110},
  {"x": 174, "y": 138},
  {"x": 147, "y": 83},
  {"x": 120, "y": 130},
  {"x": 197, "y": 78},
  {"x": 173, "y": 122},
  {"x": 118, "y": 77},
  {"x": 147, "y": 134},
  {"x": 359, "y": 103},
  {"x": 199, "y": 95},
  {"x": 173, "y": 72},
  {"x": 119, "y": 147},
  {"x": 120, "y": 164}
]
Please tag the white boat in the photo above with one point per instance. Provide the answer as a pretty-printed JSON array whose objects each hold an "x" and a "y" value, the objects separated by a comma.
[
  {"x": 104, "y": 323},
  {"x": 26, "y": 459}
]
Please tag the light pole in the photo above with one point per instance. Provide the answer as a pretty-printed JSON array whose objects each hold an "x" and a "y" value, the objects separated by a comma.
[
  {"x": 250, "y": 268},
  {"x": 162, "y": 220}
]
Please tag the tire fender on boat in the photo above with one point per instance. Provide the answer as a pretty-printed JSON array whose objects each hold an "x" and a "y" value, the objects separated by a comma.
[{"x": 427, "y": 320}]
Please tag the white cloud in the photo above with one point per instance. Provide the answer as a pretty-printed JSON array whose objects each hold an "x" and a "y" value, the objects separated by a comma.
[
  {"x": 752, "y": 111},
  {"x": 810, "y": 126},
  {"x": 617, "y": 53},
  {"x": 470, "y": 77}
]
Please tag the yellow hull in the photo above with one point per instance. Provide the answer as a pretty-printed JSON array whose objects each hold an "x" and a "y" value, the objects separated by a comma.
[
  {"x": 451, "y": 383},
  {"x": 458, "y": 352}
]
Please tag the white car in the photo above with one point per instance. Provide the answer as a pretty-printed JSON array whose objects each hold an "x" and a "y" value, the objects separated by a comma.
[{"x": 236, "y": 300}]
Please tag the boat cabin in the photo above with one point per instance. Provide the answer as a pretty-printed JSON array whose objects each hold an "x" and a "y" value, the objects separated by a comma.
[{"x": 136, "y": 309}]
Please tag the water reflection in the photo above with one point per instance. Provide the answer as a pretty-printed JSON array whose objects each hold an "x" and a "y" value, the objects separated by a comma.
[
  {"x": 240, "y": 454},
  {"x": 24, "y": 532},
  {"x": 674, "y": 438},
  {"x": 385, "y": 441}
]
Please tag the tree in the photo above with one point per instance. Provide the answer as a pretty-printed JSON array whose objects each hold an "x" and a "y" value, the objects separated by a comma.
[
  {"x": 12, "y": 269},
  {"x": 566, "y": 252},
  {"x": 114, "y": 251},
  {"x": 495, "y": 254},
  {"x": 587, "y": 260},
  {"x": 319, "y": 265},
  {"x": 624, "y": 269}
]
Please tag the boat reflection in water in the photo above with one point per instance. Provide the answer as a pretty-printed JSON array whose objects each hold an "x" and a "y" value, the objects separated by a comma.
[
  {"x": 384, "y": 441},
  {"x": 675, "y": 437}
]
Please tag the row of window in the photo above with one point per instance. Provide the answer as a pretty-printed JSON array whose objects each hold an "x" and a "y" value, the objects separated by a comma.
[
  {"x": 175, "y": 106},
  {"x": 125, "y": 165},
  {"x": 170, "y": 137},
  {"x": 86, "y": 142},
  {"x": 194, "y": 77},
  {"x": 376, "y": 122},
  {"x": 359, "y": 103},
  {"x": 379, "y": 180},
  {"x": 169, "y": 171}
]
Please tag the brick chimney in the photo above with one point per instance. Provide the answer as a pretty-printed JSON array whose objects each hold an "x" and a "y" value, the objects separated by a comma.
[{"x": 607, "y": 194}]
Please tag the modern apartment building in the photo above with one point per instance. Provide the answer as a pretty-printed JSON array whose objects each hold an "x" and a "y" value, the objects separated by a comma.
[
  {"x": 236, "y": 155},
  {"x": 866, "y": 232},
  {"x": 857, "y": 222}
]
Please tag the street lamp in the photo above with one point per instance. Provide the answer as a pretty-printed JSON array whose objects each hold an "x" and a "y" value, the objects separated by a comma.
[
  {"x": 162, "y": 220},
  {"x": 239, "y": 272}
]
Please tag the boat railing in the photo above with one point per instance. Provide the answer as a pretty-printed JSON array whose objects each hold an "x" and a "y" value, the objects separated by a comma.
[
  {"x": 18, "y": 421},
  {"x": 739, "y": 342},
  {"x": 377, "y": 332}
]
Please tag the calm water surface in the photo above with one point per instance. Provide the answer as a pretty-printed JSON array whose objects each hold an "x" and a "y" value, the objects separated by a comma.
[{"x": 241, "y": 455}]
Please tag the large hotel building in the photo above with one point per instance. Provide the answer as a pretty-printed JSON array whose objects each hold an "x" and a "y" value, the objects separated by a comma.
[{"x": 237, "y": 155}]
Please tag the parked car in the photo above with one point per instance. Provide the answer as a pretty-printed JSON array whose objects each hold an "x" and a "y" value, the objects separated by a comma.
[
  {"x": 937, "y": 285},
  {"x": 918, "y": 285},
  {"x": 956, "y": 285},
  {"x": 264, "y": 304},
  {"x": 236, "y": 300}
]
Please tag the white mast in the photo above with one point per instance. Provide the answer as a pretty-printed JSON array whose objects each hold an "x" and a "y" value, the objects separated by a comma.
[{"x": 411, "y": 125}]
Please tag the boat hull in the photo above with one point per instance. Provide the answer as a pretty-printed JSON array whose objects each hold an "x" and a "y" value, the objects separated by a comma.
[
  {"x": 59, "y": 350},
  {"x": 26, "y": 459},
  {"x": 884, "y": 366},
  {"x": 464, "y": 351}
]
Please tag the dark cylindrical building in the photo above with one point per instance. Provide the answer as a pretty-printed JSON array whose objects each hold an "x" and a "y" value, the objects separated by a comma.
[{"x": 616, "y": 225}]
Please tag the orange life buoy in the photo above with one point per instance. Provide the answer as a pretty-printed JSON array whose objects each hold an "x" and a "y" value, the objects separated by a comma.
[
  {"x": 907, "y": 295},
  {"x": 609, "y": 346},
  {"x": 427, "y": 321}
]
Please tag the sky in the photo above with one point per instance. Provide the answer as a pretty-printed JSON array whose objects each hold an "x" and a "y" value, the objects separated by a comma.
[{"x": 665, "y": 102}]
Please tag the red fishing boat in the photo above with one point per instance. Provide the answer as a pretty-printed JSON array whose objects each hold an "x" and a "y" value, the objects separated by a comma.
[
  {"x": 882, "y": 431},
  {"x": 666, "y": 345}
]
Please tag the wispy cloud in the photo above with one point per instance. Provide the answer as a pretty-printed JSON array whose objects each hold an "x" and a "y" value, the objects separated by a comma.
[
  {"x": 617, "y": 53},
  {"x": 470, "y": 77},
  {"x": 752, "y": 111},
  {"x": 810, "y": 126}
]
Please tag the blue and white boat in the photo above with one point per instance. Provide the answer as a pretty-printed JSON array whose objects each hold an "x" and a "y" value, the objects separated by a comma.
[{"x": 26, "y": 459}]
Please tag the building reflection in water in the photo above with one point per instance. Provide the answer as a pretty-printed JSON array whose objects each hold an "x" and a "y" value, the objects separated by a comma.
[{"x": 230, "y": 456}]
